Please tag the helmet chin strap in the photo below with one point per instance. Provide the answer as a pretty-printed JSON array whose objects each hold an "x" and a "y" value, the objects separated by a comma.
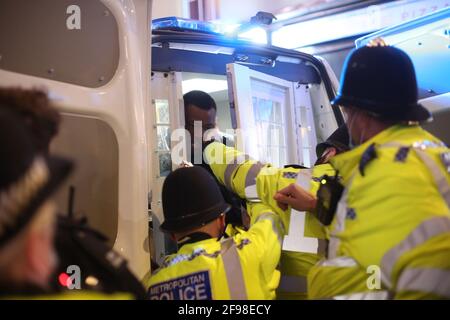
[
  {"x": 361, "y": 138},
  {"x": 222, "y": 233},
  {"x": 349, "y": 127}
]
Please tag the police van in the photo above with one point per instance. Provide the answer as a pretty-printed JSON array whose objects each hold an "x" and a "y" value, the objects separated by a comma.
[{"x": 119, "y": 86}]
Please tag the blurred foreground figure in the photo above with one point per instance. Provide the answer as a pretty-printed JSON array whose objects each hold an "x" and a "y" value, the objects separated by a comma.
[
  {"x": 27, "y": 214},
  {"x": 33, "y": 106},
  {"x": 76, "y": 244}
]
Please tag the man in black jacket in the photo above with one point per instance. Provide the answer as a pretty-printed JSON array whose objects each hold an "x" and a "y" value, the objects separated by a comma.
[{"x": 200, "y": 111}]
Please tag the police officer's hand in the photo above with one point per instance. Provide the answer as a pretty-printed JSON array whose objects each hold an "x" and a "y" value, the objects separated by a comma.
[{"x": 296, "y": 197}]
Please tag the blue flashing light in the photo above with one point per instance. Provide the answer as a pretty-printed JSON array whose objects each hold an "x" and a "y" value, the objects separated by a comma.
[
  {"x": 181, "y": 24},
  {"x": 256, "y": 34}
]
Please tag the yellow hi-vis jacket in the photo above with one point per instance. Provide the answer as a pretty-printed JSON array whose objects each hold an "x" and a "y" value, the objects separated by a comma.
[
  {"x": 239, "y": 268},
  {"x": 305, "y": 242},
  {"x": 390, "y": 237}
]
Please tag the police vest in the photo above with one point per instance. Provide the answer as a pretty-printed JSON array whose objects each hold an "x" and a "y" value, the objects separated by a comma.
[{"x": 238, "y": 268}]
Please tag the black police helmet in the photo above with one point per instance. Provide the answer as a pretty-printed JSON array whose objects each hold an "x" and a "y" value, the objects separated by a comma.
[
  {"x": 382, "y": 81},
  {"x": 27, "y": 179},
  {"x": 338, "y": 139},
  {"x": 191, "y": 198}
]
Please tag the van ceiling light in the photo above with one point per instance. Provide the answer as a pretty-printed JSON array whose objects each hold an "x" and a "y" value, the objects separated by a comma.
[
  {"x": 207, "y": 85},
  {"x": 257, "y": 35}
]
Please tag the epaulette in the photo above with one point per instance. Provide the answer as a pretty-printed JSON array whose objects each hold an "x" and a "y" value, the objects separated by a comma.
[{"x": 368, "y": 155}]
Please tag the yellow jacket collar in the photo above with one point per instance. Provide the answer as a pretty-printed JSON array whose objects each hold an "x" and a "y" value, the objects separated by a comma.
[{"x": 346, "y": 162}]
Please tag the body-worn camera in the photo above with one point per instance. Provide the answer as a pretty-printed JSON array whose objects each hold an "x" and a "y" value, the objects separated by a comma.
[{"x": 328, "y": 196}]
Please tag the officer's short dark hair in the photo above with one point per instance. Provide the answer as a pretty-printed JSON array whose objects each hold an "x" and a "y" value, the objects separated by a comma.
[{"x": 199, "y": 99}]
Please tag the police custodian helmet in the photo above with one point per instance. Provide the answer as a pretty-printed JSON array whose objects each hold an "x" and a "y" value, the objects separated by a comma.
[
  {"x": 27, "y": 179},
  {"x": 381, "y": 80},
  {"x": 191, "y": 198},
  {"x": 338, "y": 139}
]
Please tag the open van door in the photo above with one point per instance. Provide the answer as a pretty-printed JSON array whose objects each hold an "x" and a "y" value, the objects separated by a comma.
[
  {"x": 274, "y": 117},
  {"x": 164, "y": 116}
]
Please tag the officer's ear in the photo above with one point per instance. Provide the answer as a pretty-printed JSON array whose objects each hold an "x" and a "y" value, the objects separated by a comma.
[{"x": 222, "y": 222}]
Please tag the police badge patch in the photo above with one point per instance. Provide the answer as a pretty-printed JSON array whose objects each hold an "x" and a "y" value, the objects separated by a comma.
[
  {"x": 194, "y": 286},
  {"x": 290, "y": 175}
]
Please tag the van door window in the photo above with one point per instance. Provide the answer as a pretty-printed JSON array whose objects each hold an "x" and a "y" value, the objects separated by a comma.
[{"x": 267, "y": 130}]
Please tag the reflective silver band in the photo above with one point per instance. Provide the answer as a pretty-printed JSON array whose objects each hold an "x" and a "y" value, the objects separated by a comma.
[
  {"x": 439, "y": 177},
  {"x": 341, "y": 213},
  {"x": 231, "y": 167},
  {"x": 233, "y": 270},
  {"x": 340, "y": 262},
  {"x": 278, "y": 230},
  {"x": 251, "y": 194},
  {"x": 370, "y": 295},
  {"x": 434, "y": 281},
  {"x": 425, "y": 231},
  {"x": 229, "y": 173},
  {"x": 252, "y": 173}
]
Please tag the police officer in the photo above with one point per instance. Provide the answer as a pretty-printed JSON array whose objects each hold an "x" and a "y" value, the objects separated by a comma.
[
  {"x": 336, "y": 143},
  {"x": 27, "y": 215},
  {"x": 207, "y": 265},
  {"x": 390, "y": 234},
  {"x": 75, "y": 242},
  {"x": 256, "y": 182}
]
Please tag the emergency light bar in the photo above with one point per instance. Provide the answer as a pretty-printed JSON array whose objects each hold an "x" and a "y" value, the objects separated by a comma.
[
  {"x": 255, "y": 34},
  {"x": 181, "y": 24}
]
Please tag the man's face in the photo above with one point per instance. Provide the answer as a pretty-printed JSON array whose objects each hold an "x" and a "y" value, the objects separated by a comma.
[{"x": 207, "y": 118}]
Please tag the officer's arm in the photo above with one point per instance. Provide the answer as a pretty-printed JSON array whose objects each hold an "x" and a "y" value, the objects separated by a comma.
[
  {"x": 233, "y": 168},
  {"x": 266, "y": 233}
]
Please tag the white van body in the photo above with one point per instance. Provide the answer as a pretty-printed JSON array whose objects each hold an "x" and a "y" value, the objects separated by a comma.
[
  {"x": 94, "y": 58},
  {"x": 42, "y": 46}
]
